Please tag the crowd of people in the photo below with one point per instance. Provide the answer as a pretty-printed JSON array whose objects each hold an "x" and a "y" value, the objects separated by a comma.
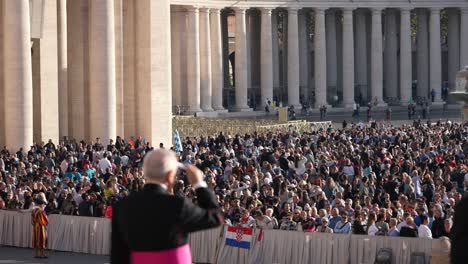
[{"x": 362, "y": 179}]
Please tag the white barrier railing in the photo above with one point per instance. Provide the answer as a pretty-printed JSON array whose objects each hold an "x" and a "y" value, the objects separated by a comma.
[{"x": 92, "y": 235}]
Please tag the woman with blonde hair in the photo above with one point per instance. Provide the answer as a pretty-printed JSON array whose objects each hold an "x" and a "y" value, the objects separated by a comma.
[
  {"x": 408, "y": 185},
  {"x": 329, "y": 189}
]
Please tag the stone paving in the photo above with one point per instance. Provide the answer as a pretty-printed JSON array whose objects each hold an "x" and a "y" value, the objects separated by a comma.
[{"x": 12, "y": 255}]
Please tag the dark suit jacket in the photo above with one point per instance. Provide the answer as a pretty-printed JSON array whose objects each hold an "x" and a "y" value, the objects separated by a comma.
[
  {"x": 154, "y": 220},
  {"x": 408, "y": 232},
  {"x": 459, "y": 236}
]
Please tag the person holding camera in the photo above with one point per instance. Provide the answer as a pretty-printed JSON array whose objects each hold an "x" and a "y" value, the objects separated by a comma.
[{"x": 152, "y": 225}]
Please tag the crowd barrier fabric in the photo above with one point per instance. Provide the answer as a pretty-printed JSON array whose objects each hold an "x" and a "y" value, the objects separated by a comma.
[{"x": 92, "y": 235}]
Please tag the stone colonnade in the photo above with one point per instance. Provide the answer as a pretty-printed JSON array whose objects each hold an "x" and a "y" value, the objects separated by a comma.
[
  {"x": 88, "y": 69},
  {"x": 356, "y": 54}
]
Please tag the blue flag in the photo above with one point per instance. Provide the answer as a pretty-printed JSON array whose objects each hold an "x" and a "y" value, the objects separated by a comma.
[{"x": 177, "y": 142}]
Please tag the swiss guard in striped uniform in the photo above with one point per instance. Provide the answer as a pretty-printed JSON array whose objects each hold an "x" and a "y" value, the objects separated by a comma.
[{"x": 39, "y": 221}]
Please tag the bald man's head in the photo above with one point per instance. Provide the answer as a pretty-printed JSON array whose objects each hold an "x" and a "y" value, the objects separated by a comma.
[{"x": 160, "y": 166}]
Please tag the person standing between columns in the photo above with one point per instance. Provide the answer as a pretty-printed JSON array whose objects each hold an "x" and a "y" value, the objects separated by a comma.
[
  {"x": 205, "y": 61},
  {"x": 293, "y": 59},
  {"x": 405, "y": 57},
  {"x": 376, "y": 58},
  {"x": 266, "y": 58},
  {"x": 216, "y": 60},
  {"x": 348, "y": 59},
  {"x": 193, "y": 64},
  {"x": 320, "y": 59},
  {"x": 18, "y": 90},
  {"x": 103, "y": 106},
  {"x": 435, "y": 56},
  {"x": 241, "y": 61}
]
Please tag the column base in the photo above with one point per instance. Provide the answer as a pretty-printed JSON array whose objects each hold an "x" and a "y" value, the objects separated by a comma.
[
  {"x": 437, "y": 102},
  {"x": 193, "y": 110},
  {"x": 220, "y": 110},
  {"x": 210, "y": 114},
  {"x": 243, "y": 109},
  {"x": 317, "y": 106},
  {"x": 297, "y": 107},
  {"x": 404, "y": 102},
  {"x": 380, "y": 105},
  {"x": 349, "y": 106},
  {"x": 207, "y": 109}
]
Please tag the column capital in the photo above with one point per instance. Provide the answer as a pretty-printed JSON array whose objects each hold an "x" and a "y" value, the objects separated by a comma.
[
  {"x": 377, "y": 10},
  {"x": 266, "y": 10},
  {"x": 240, "y": 10},
  {"x": 435, "y": 10},
  {"x": 320, "y": 10},
  {"x": 193, "y": 9},
  {"x": 177, "y": 9},
  {"x": 464, "y": 10},
  {"x": 215, "y": 10},
  {"x": 293, "y": 10},
  {"x": 405, "y": 9},
  {"x": 204, "y": 10}
]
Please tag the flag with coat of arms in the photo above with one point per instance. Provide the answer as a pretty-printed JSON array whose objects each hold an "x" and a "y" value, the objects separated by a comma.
[{"x": 240, "y": 237}]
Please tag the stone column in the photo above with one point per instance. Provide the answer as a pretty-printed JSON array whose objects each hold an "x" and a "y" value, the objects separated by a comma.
[
  {"x": 62, "y": 67},
  {"x": 463, "y": 37},
  {"x": 293, "y": 59},
  {"x": 332, "y": 62},
  {"x": 18, "y": 90},
  {"x": 241, "y": 61},
  {"x": 205, "y": 61},
  {"x": 390, "y": 56},
  {"x": 275, "y": 48},
  {"x": 153, "y": 71},
  {"x": 216, "y": 60},
  {"x": 320, "y": 50},
  {"x": 182, "y": 22},
  {"x": 406, "y": 75},
  {"x": 45, "y": 78},
  {"x": 436, "y": 54},
  {"x": 119, "y": 68},
  {"x": 303, "y": 54},
  {"x": 348, "y": 58},
  {"x": 129, "y": 66},
  {"x": 266, "y": 57},
  {"x": 361, "y": 54},
  {"x": 2, "y": 67},
  {"x": 453, "y": 46},
  {"x": 422, "y": 38},
  {"x": 255, "y": 50},
  {"x": 376, "y": 59},
  {"x": 193, "y": 64},
  {"x": 176, "y": 43},
  {"x": 102, "y": 70},
  {"x": 339, "y": 56},
  {"x": 78, "y": 71}
]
